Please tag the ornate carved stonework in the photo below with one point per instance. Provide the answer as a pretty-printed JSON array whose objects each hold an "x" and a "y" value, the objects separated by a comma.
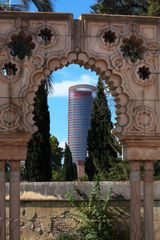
[
  {"x": 102, "y": 43},
  {"x": 145, "y": 119},
  {"x": 122, "y": 50},
  {"x": 9, "y": 117}
]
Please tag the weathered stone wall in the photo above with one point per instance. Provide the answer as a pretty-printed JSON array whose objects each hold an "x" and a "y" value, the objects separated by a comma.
[{"x": 45, "y": 210}]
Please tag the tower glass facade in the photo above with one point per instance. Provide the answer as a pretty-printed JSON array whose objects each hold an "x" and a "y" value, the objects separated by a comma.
[{"x": 79, "y": 116}]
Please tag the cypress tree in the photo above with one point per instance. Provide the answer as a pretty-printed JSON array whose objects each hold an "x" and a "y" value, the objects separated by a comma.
[
  {"x": 101, "y": 143},
  {"x": 56, "y": 154},
  {"x": 69, "y": 168},
  {"x": 154, "y": 8},
  {"x": 38, "y": 163},
  {"x": 90, "y": 169}
]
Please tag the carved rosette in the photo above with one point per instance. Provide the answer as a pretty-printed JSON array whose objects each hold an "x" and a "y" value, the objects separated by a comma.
[
  {"x": 47, "y": 36},
  {"x": 10, "y": 117},
  {"x": 108, "y": 37},
  {"x": 133, "y": 48},
  {"x": 21, "y": 44},
  {"x": 145, "y": 119},
  {"x": 143, "y": 74},
  {"x": 10, "y": 71}
]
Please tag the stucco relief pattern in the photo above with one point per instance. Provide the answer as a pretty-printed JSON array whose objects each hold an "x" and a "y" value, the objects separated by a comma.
[
  {"x": 145, "y": 119},
  {"x": 138, "y": 84},
  {"x": 9, "y": 117},
  {"x": 122, "y": 50},
  {"x": 95, "y": 42}
]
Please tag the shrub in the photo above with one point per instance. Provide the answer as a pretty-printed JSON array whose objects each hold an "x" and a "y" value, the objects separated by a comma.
[
  {"x": 96, "y": 220},
  {"x": 68, "y": 236}
]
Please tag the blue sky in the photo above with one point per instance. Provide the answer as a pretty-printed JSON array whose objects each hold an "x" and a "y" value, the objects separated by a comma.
[
  {"x": 76, "y": 7},
  {"x": 68, "y": 76}
]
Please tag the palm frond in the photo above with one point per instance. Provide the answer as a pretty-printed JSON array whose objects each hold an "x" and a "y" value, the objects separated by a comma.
[
  {"x": 26, "y": 3},
  {"x": 43, "y": 5},
  {"x": 48, "y": 84}
]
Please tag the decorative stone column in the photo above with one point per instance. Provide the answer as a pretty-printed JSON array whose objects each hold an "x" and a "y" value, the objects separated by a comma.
[
  {"x": 2, "y": 201},
  {"x": 148, "y": 201},
  {"x": 13, "y": 148},
  {"x": 144, "y": 150},
  {"x": 135, "y": 201},
  {"x": 15, "y": 200}
]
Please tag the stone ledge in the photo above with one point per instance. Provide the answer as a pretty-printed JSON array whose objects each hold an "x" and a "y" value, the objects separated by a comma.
[{"x": 57, "y": 191}]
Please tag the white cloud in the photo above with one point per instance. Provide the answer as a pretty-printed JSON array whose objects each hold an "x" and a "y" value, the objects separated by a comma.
[
  {"x": 61, "y": 89},
  {"x": 62, "y": 144}
]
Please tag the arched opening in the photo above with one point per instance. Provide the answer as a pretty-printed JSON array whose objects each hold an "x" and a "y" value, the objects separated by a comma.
[
  {"x": 58, "y": 104},
  {"x": 59, "y": 109},
  {"x": 63, "y": 79},
  {"x": 58, "y": 97},
  {"x": 64, "y": 120}
]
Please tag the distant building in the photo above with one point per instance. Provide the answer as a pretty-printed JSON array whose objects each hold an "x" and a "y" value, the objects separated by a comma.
[{"x": 79, "y": 116}]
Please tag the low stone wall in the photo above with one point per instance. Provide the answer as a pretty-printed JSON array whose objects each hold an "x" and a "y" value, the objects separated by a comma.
[
  {"x": 45, "y": 210},
  {"x": 57, "y": 191}
]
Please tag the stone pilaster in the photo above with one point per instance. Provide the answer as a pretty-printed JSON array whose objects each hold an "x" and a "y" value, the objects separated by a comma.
[
  {"x": 2, "y": 201},
  {"x": 15, "y": 200},
  {"x": 135, "y": 200},
  {"x": 148, "y": 200}
]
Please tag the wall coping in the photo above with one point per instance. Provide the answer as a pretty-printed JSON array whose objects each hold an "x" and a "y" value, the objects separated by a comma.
[
  {"x": 57, "y": 191},
  {"x": 93, "y": 17}
]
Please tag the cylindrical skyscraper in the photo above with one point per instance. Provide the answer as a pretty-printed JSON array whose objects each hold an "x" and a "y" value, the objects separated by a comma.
[{"x": 79, "y": 116}]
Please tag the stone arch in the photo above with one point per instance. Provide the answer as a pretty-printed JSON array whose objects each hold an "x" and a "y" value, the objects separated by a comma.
[
  {"x": 100, "y": 66},
  {"x": 102, "y": 43}
]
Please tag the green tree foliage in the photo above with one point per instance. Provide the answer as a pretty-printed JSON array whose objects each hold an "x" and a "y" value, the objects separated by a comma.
[
  {"x": 69, "y": 168},
  {"x": 119, "y": 171},
  {"x": 90, "y": 168},
  {"x": 56, "y": 153},
  {"x": 93, "y": 219},
  {"x": 96, "y": 219},
  {"x": 56, "y": 159},
  {"x": 68, "y": 236},
  {"x": 126, "y": 7},
  {"x": 101, "y": 143},
  {"x": 38, "y": 163},
  {"x": 154, "y": 8}
]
